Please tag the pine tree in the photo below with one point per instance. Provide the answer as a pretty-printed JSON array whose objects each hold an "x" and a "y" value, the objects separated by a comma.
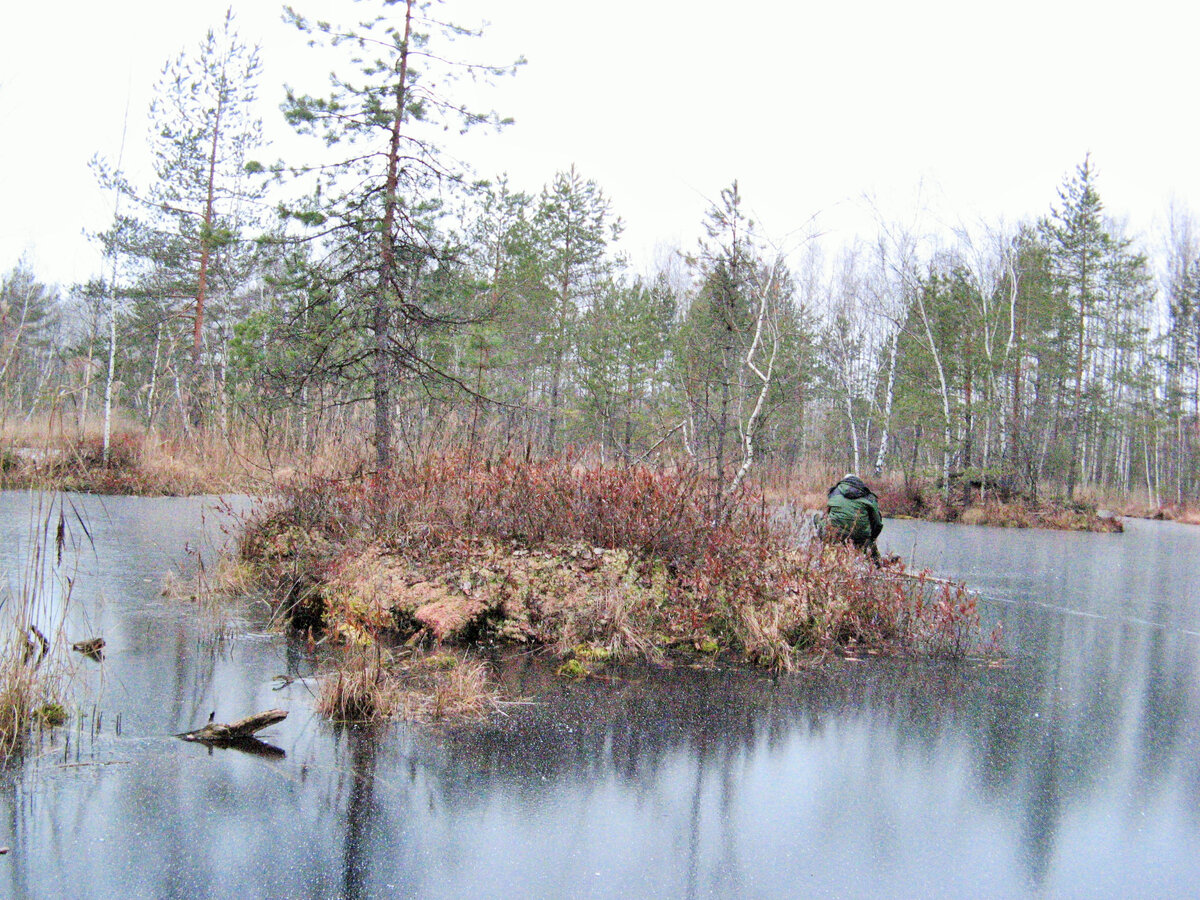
[
  {"x": 184, "y": 233},
  {"x": 375, "y": 210},
  {"x": 1079, "y": 246},
  {"x": 571, "y": 231},
  {"x": 498, "y": 345},
  {"x": 1104, "y": 291},
  {"x": 623, "y": 344}
]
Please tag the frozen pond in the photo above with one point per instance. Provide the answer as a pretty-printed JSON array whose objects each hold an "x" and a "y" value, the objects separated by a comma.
[{"x": 1073, "y": 769}]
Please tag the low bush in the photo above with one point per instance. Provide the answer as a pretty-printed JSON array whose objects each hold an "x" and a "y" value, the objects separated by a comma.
[
  {"x": 124, "y": 453},
  {"x": 906, "y": 499}
]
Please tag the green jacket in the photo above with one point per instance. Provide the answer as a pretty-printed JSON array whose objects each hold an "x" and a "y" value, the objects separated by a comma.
[{"x": 853, "y": 511}]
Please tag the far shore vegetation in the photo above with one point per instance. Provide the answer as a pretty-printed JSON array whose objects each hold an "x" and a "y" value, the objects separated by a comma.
[{"x": 41, "y": 458}]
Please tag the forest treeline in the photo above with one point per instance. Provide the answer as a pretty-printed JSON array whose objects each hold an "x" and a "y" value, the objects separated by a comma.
[{"x": 378, "y": 292}]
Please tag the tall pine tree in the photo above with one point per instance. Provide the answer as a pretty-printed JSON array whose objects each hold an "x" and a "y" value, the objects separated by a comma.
[{"x": 374, "y": 209}]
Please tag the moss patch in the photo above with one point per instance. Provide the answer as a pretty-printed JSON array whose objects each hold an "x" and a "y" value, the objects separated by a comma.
[{"x": 572, "y": 668}]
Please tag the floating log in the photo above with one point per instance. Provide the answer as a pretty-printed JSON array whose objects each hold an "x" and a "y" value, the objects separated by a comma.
[
  {"x": 219, "y": 733},
  {"x": 92, "y": 647}
]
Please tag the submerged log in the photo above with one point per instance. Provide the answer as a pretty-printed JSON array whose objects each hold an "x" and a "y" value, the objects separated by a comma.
[
  {"x": 234, "y": 732},
  {"x": 928, "y": 579}
]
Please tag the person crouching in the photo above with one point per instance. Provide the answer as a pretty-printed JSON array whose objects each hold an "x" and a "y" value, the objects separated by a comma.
[{"x": 852, "y": 515}]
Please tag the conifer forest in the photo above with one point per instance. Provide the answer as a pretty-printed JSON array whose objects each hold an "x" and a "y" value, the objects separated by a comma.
[{"x": 370, "y": 288}]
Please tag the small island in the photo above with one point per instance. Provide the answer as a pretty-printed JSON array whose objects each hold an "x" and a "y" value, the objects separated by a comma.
[{"x": 586, "y": 564}]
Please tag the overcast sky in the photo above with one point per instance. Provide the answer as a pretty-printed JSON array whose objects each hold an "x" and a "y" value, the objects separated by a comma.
[{"x": 976, "y": 111}]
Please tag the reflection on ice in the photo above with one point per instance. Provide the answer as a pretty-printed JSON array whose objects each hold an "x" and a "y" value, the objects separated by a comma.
[{"x": 1070, "y": 768}]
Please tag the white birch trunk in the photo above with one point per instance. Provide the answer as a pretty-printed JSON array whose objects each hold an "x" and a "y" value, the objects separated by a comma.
[{"x": 888, "y": 394}]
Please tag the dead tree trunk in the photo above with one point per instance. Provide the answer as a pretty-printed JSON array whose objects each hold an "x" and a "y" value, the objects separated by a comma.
[{"x": 218, "y": 733}]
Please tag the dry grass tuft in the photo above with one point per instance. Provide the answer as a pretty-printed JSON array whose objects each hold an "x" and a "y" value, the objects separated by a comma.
[
  {"x": 361, "y": 688},
  {"x": 27, "y": 691},
  {"x": 612, "y": 621},
  {"x": 368, "y": 684},
  {"x": 459, "y": 692},
  {"x": 35, "y": 668}
]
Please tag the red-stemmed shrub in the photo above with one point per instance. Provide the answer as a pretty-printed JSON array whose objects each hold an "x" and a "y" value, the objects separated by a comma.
[{"x": 701, "y": 567}]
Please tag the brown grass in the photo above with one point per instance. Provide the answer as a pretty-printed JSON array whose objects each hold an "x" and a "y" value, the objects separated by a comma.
[
  {"x": 44, "y": 454},
  {"x": 1187, "y": 516},
  {"x": 365, "y": 684},
  {"x": 362, "y": 687},
  {"x": 35, "y": 667}
]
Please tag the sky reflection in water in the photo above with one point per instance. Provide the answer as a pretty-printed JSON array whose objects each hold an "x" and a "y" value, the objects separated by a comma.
[{"x": 1072, "y": 769}]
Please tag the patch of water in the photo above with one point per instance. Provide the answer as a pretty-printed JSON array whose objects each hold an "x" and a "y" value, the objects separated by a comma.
[{"x": 1072, "y": 768}]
